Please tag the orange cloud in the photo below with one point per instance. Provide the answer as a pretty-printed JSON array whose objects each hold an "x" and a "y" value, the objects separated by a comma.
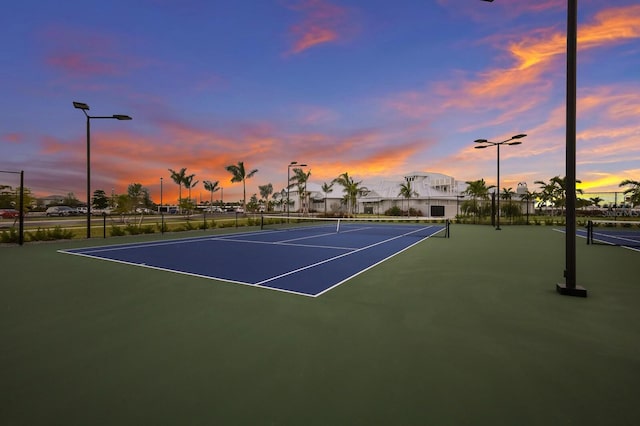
[
  {"x": 12, "y": 137},
  {"x": 322, "y": 24},
  {"x": 86, "y": 53},
  {"x": 533, "y": 57}
]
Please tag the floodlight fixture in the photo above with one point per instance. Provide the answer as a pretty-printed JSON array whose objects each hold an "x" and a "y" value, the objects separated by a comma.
[
  {"x": 485, "y": 144},
  {"x": 81, "y": 105},
  {"x": 84, "y": 107}
]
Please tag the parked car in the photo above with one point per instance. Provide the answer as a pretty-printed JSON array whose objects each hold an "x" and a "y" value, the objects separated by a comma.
[
  {"x": 144, "y": 210},
  {"x": 81, "y": 210},
  {"x": 60, "y": 211},
  {"x": 213, "y": 210},
  {"x": 98, "y": 212},
  {"x": 9, "y": 213}
]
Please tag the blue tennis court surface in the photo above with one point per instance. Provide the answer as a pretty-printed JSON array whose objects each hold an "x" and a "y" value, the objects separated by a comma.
[
  {"x": 302, "y": 261},
  {"x": 610, "y": 232}
]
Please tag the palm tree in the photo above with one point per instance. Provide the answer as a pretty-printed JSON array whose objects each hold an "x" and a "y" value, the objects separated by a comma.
[
  {"x": 300, "y": 178},
  {"x": 556, "y": 191},
  {"x": 477, "y": 190},
  {"x": 211, "y": 187},
  {"x": 633, "y": 192},
  {"x": 528, "y": 197},
  {"x": 279, "y": 198},
  {"x": 265, "y": 191},
  {"x": 596, "y": 201},
  {"x": 326, "y": 188},
  {"x": 240, "y": 175},
  {"x": 507, "y": 195},
  {"x": 351, "y": 189},
  {"x": 178, "y": 178},
  {"x": 188, "y": 184},
  {"x": 407, "y": 192}
]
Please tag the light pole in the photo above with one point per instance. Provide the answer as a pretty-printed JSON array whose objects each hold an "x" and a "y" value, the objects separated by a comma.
[
  {"x": 484, "y": 144},
  {"x": 84, "y": 107},
  {"x": 292, "y": 164},
  {"x": 570, "y": 287},
  {"x": 161, "y": 208}
]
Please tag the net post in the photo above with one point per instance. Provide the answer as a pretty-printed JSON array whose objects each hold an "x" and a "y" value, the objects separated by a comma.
[
  {"x": 589, "y": 232},
  {"x": 338, "y": 226},
  {"x": 262, "y": 221},
  {"x": 447, "y": 227}
]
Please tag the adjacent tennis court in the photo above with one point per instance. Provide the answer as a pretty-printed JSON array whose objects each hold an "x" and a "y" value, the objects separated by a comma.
[
  {"x": 625, "y": 233},
  {"x": 305, "y": 256}
]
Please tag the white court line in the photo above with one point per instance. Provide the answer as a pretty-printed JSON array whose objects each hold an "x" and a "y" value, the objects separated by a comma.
[
  {"x": 372, "y": 266},
  {"x": 616, "y": 237},
  {"x": 280, "y": 243},
  {"x": 611, "y": 244},
  {"x": 127, "y": 246},
  {"x": 260, "y": 283},
  {"x": 191, "y": 274},
  {"x": 313, "y": 265}
]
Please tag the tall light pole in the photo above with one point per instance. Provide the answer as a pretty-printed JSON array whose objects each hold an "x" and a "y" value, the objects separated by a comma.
[
  {"x": 292, "y": 164},
  {"x": 485, "y": 144},
  {"x": 161, "y": 208},
  {"x": 570, "y": 287},
  {"x": 84, "y": 107}
]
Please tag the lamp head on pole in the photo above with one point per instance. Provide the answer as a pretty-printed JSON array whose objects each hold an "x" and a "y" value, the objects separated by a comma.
[
  {"x": 122, "y": 117},
  {"x": 81, "y": 105}
]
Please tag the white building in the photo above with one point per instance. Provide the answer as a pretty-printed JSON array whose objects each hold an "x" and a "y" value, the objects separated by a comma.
[{"x": 435, "y": 195}]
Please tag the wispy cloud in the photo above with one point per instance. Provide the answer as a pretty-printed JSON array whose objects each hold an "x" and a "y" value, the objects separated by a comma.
[
  {"x": 12, "y": 137},
  {"x": 322, "y": 23},
  {"x": 85, "y": 53},
  {"x": 533, "y": 57}
]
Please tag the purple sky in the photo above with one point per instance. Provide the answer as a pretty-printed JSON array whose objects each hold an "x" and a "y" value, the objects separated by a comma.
[{"x": 373, "y": 88}]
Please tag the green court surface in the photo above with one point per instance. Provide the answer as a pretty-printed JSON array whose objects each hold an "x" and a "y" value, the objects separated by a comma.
[{"x": 460, "y": 331}]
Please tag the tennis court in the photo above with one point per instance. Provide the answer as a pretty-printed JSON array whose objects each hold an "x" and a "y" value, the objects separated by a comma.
[
  {"x": 304, "y": 256},
  {"x": 624, "y": 233}
]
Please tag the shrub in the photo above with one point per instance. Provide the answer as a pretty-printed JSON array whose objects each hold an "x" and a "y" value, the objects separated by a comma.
[
  {"x": 393, "y": 211},
  {"x": 9, "y": 237},
  {"x": 116, "y": 231},
  {"x": 56, "y": 233}
]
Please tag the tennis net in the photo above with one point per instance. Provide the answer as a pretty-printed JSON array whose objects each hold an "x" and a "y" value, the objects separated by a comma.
[
  {"x": 420, "y": 227},
  {"x": 614, "y": 232}
]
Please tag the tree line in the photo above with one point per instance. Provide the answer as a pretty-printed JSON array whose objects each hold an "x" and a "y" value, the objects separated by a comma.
[{"x": 551, "y": 194}]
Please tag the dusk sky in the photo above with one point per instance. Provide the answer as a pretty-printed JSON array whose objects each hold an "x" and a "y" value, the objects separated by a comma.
[{"x": 374, "y": 88}]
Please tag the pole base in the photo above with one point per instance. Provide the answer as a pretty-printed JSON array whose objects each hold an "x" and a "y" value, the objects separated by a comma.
[{"x": 576, "y": 291}]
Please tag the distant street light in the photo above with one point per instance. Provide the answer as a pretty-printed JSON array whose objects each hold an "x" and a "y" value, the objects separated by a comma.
[
  {"x": 84, "y": 107},
  {"x": 161, "y": 208},
  {"x": 485, "y": 144},
  {"x": 292, "y": 164}
]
